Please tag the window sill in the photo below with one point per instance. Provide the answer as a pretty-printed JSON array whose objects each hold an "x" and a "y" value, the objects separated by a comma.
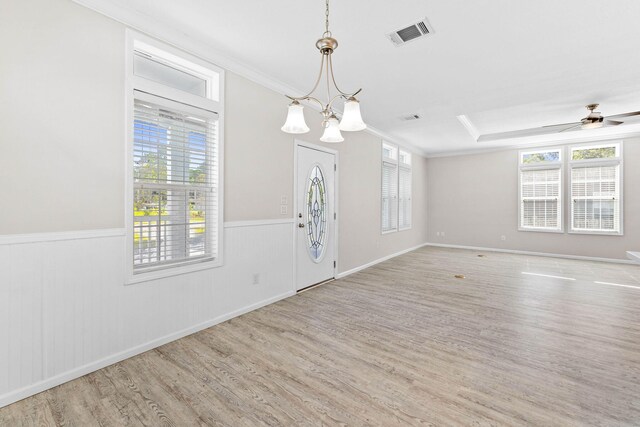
[
  {"x": 393, "y": 230},
  {"x": 597, "y": 233},
  {"x": 404, "y": 228},
  {"x": 177, "y": 270},
  {"x": 540, "y": 230}
]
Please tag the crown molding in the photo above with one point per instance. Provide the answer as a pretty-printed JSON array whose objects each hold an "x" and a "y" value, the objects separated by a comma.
[
  {"x": 138, "y": 21},
  {"x": 399, "y": 142}
]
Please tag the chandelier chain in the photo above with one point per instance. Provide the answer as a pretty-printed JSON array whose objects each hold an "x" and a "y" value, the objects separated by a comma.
[
  {"x": 326, "y": 67},
  {"x": 326, "y": 20}
]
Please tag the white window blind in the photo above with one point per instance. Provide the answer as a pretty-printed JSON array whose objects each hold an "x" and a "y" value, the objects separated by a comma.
[
  {"x": 596, "y": 202},
  {"x": 175, "y": 171},
  {"x": 541, "y": 190},
  {"x": 389, "y": 196},
  {"x": 540, "y": 199},
  {"x": 396, "y": 189},
  {"x": 404, "y": 191}
]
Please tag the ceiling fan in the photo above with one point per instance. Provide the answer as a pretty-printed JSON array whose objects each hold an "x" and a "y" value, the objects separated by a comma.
[{"x": 593, "y": 120}]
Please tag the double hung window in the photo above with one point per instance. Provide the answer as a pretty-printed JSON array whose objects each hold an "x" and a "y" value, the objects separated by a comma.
[
  {"x": 596, "y": 188},
  {"x": 541, "y": 190}
]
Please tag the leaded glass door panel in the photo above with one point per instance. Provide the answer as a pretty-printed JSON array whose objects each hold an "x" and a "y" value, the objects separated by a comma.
[{"x": 315, "y": 217}]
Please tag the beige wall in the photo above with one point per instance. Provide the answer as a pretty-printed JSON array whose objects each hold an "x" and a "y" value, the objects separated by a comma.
[
  {"x": 258, "y": 155},
  {"x": 474, "y": 200},
  {"x": 62, "y": 138},
  {"x": 61, "y": 118}
]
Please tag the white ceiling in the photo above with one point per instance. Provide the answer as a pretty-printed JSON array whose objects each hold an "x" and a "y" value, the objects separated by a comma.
[{"x": 504, "y": 64}]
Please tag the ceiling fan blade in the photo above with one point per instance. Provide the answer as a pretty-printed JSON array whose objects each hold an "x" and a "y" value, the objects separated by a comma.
[
  {"x": 561, "y": 124},
  {"x": 571, "y": 127},
  {"x": 619, "y": 116},
  {"x": 525, "y": 133},
  {"x": 613, "y": 122}
]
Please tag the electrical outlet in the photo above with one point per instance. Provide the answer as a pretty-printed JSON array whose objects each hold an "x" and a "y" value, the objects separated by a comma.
[
  {"x": 283, "y": 209},
  {"x": 283, "y": 200},
  {"x": 503, "y": 237},
  {"x": 437, "y": 233},
  {"x": 256, "y": 278}
]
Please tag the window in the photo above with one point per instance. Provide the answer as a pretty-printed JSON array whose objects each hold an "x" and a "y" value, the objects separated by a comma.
[
  {"x": 157, "y": 71},
  {"x": 389, "y": 188},
  {"x": 596, "y": 188},
  {"x": 396, "y": 189},
  {"x": 175, "y": 211},
  {"x": 404, "y": 191},
  {"x": 541, "y": 190}
]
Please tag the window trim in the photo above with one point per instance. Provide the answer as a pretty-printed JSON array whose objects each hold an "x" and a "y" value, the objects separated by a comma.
[
  {"x": 559, "y": 164},
  {"x": 619, "y": 161},
  {"x": 135, "y": 41}
]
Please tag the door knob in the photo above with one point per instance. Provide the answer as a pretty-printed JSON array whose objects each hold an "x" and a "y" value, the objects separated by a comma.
[{"x": 300, "y": 225}]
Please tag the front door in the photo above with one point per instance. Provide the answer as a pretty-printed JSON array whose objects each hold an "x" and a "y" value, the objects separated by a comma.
[{"x": 315, "y": 216}]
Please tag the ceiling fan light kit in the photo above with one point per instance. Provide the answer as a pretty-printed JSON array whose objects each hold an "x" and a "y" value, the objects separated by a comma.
[
  {"x": 594, "y": 120},
  {"x": 591, "y": 125},
  {"x": 351, "y": 118}
]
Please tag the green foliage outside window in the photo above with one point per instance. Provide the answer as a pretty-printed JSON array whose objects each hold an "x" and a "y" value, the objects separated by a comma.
[
  {"x": 593, "y": 153},
  {"x": 549, "y": 156}
]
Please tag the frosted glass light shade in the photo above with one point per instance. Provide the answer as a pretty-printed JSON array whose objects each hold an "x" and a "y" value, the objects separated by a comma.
[
  {"x": 593, "y": 125},
  {"x": 332, "y": 131},
  {"x": 352, "y": 119},
  {"x": 295, "y": 120}
]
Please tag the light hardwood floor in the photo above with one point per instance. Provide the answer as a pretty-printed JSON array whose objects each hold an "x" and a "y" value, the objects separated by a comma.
[{"x": 401, "y": 343}]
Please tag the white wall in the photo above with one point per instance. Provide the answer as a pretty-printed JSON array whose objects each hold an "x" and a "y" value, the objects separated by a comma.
[
  {"x": 64, "y": 309},
  {"x": 473, "y": 199}
]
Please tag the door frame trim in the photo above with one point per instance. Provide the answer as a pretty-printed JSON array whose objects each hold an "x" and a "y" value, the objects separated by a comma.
[{"x": 336, "y": 177}]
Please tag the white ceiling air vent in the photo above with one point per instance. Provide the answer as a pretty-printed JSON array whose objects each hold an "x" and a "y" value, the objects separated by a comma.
[
  {"x": 409, "y": 117},
  {"x": 412, "y": 32}
]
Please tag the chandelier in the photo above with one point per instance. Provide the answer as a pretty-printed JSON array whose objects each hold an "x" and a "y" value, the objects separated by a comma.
[{"x": 351, "y": 118}]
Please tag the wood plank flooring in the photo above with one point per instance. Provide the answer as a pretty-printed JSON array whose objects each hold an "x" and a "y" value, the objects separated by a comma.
[{"x": 401, "y": 343}]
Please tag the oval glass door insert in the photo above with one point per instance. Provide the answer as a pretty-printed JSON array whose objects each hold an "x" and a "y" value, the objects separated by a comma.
[{"x": 316, "y": 214}]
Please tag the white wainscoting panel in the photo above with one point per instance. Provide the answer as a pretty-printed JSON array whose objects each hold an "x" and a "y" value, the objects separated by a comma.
[{"x": 65, "y": 311}]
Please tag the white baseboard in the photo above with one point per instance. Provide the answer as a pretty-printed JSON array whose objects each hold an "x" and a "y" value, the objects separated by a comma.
[
  {"x": 48, "y": 383},
  {"x": 513, "y": 251},
  {"x": 378, "y": 261}
]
